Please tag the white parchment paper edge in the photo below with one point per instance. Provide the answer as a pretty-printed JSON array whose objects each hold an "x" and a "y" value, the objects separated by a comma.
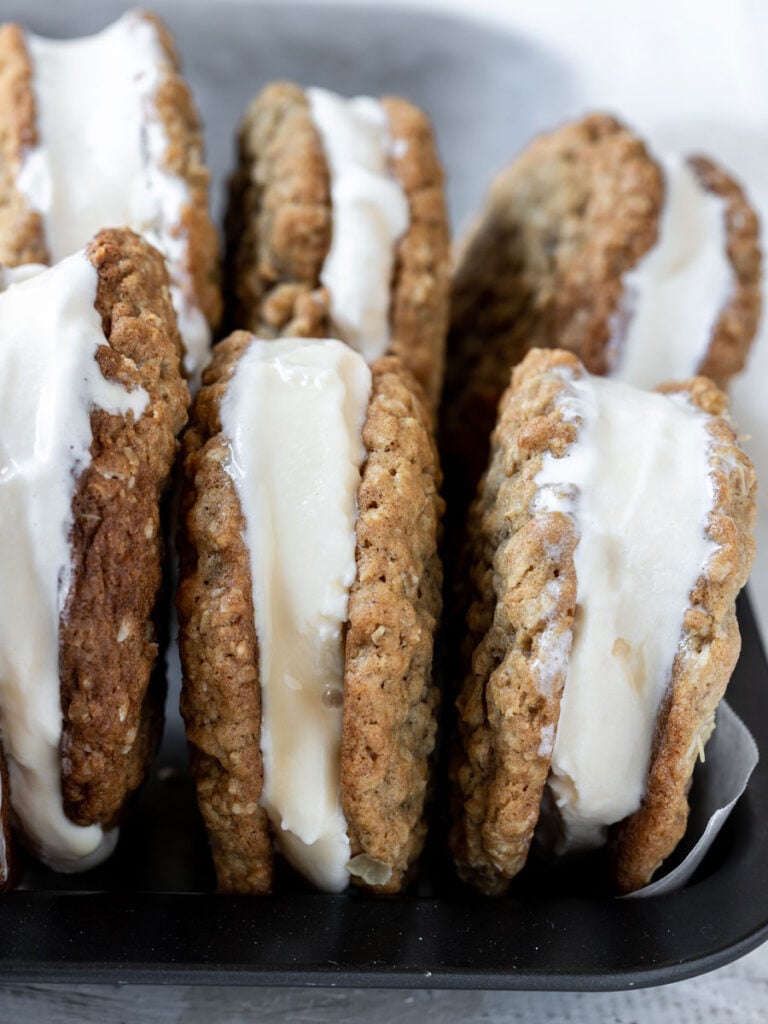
[{"x": 731, "y": 757}]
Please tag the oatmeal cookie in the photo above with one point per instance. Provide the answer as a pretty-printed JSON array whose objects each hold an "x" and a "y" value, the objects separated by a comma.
[
  {"x": 522, "y": 618},
  {"x": 545, "y": 266},
  {"x": 279, "y": 222},
  {"x": 194, "y": 268},
  {"x": 22, "y": 238},
  {"x": 389, "y": 700},
  {"x": 221, "y": 698},
  {"x": 112, "y": 715},
  {"x": 521, "y": 601},
  {"x": 707, "y": 654}
]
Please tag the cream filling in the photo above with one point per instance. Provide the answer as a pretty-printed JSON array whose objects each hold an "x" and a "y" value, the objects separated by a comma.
[
  {"x": 674, "y": 296},
  {"x": 101, "y": 152},
  {"x": 49, "y": 384},
  {"x": 370, "y": 215},
  {"x": 637, "y": 482},
  {"x": 293, "y": 413}
]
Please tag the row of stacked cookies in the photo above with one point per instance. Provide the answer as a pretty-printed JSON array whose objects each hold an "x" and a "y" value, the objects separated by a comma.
[
  {"x": 311, "y": 472},
  {"x": 310, "y": 509},
  {"x": 612, "y": 527},
  {"x": 96, "y": 353}
]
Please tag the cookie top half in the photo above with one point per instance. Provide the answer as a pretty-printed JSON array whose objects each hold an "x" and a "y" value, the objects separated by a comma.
[{"x": 647, "y": 268}]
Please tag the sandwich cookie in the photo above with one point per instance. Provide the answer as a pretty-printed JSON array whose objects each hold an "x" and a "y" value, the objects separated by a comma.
[
  {"x": 648, "y": 270},
  {"x": 309, "y": 598},
  {"x": 337, "y": 227},
  {"x": 608, "y": 542},
  {"x": 92, "y": 400},
  {"x": 102, "y": 132}
]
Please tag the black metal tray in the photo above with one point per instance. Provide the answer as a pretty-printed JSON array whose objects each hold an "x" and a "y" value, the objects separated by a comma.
[{"x": 147, "y": 916}]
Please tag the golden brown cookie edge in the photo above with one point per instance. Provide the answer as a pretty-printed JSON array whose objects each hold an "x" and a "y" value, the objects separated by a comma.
[
  {"x": 278, "y": 221},
  {"x": 421, "y": 280},
  {"x": 521, "y": 597},
  {"x": 185, "y": 157},
  {"x": 390, "y": 698},
  {"x": 22, "y": 238},
  {"x": 112, "y": 715},
  {"x": 738, "y": 321},
  {"x": 221, "y": 696}
]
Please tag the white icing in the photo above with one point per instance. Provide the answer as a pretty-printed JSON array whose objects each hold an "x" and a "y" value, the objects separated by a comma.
[
  {"x": 99, "y": 161},
  {"x": 552, "y": 647},
  {"x": 674, "y": 296},
  {"x": 49, "y": 383},
  {"x": 293, "y": 414},
  {"x": 370, "y": 214},
  {"x": 547, "y": 740},
  {"x": 13, "y": 275},
  {"x": 637, "y": 482}
]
